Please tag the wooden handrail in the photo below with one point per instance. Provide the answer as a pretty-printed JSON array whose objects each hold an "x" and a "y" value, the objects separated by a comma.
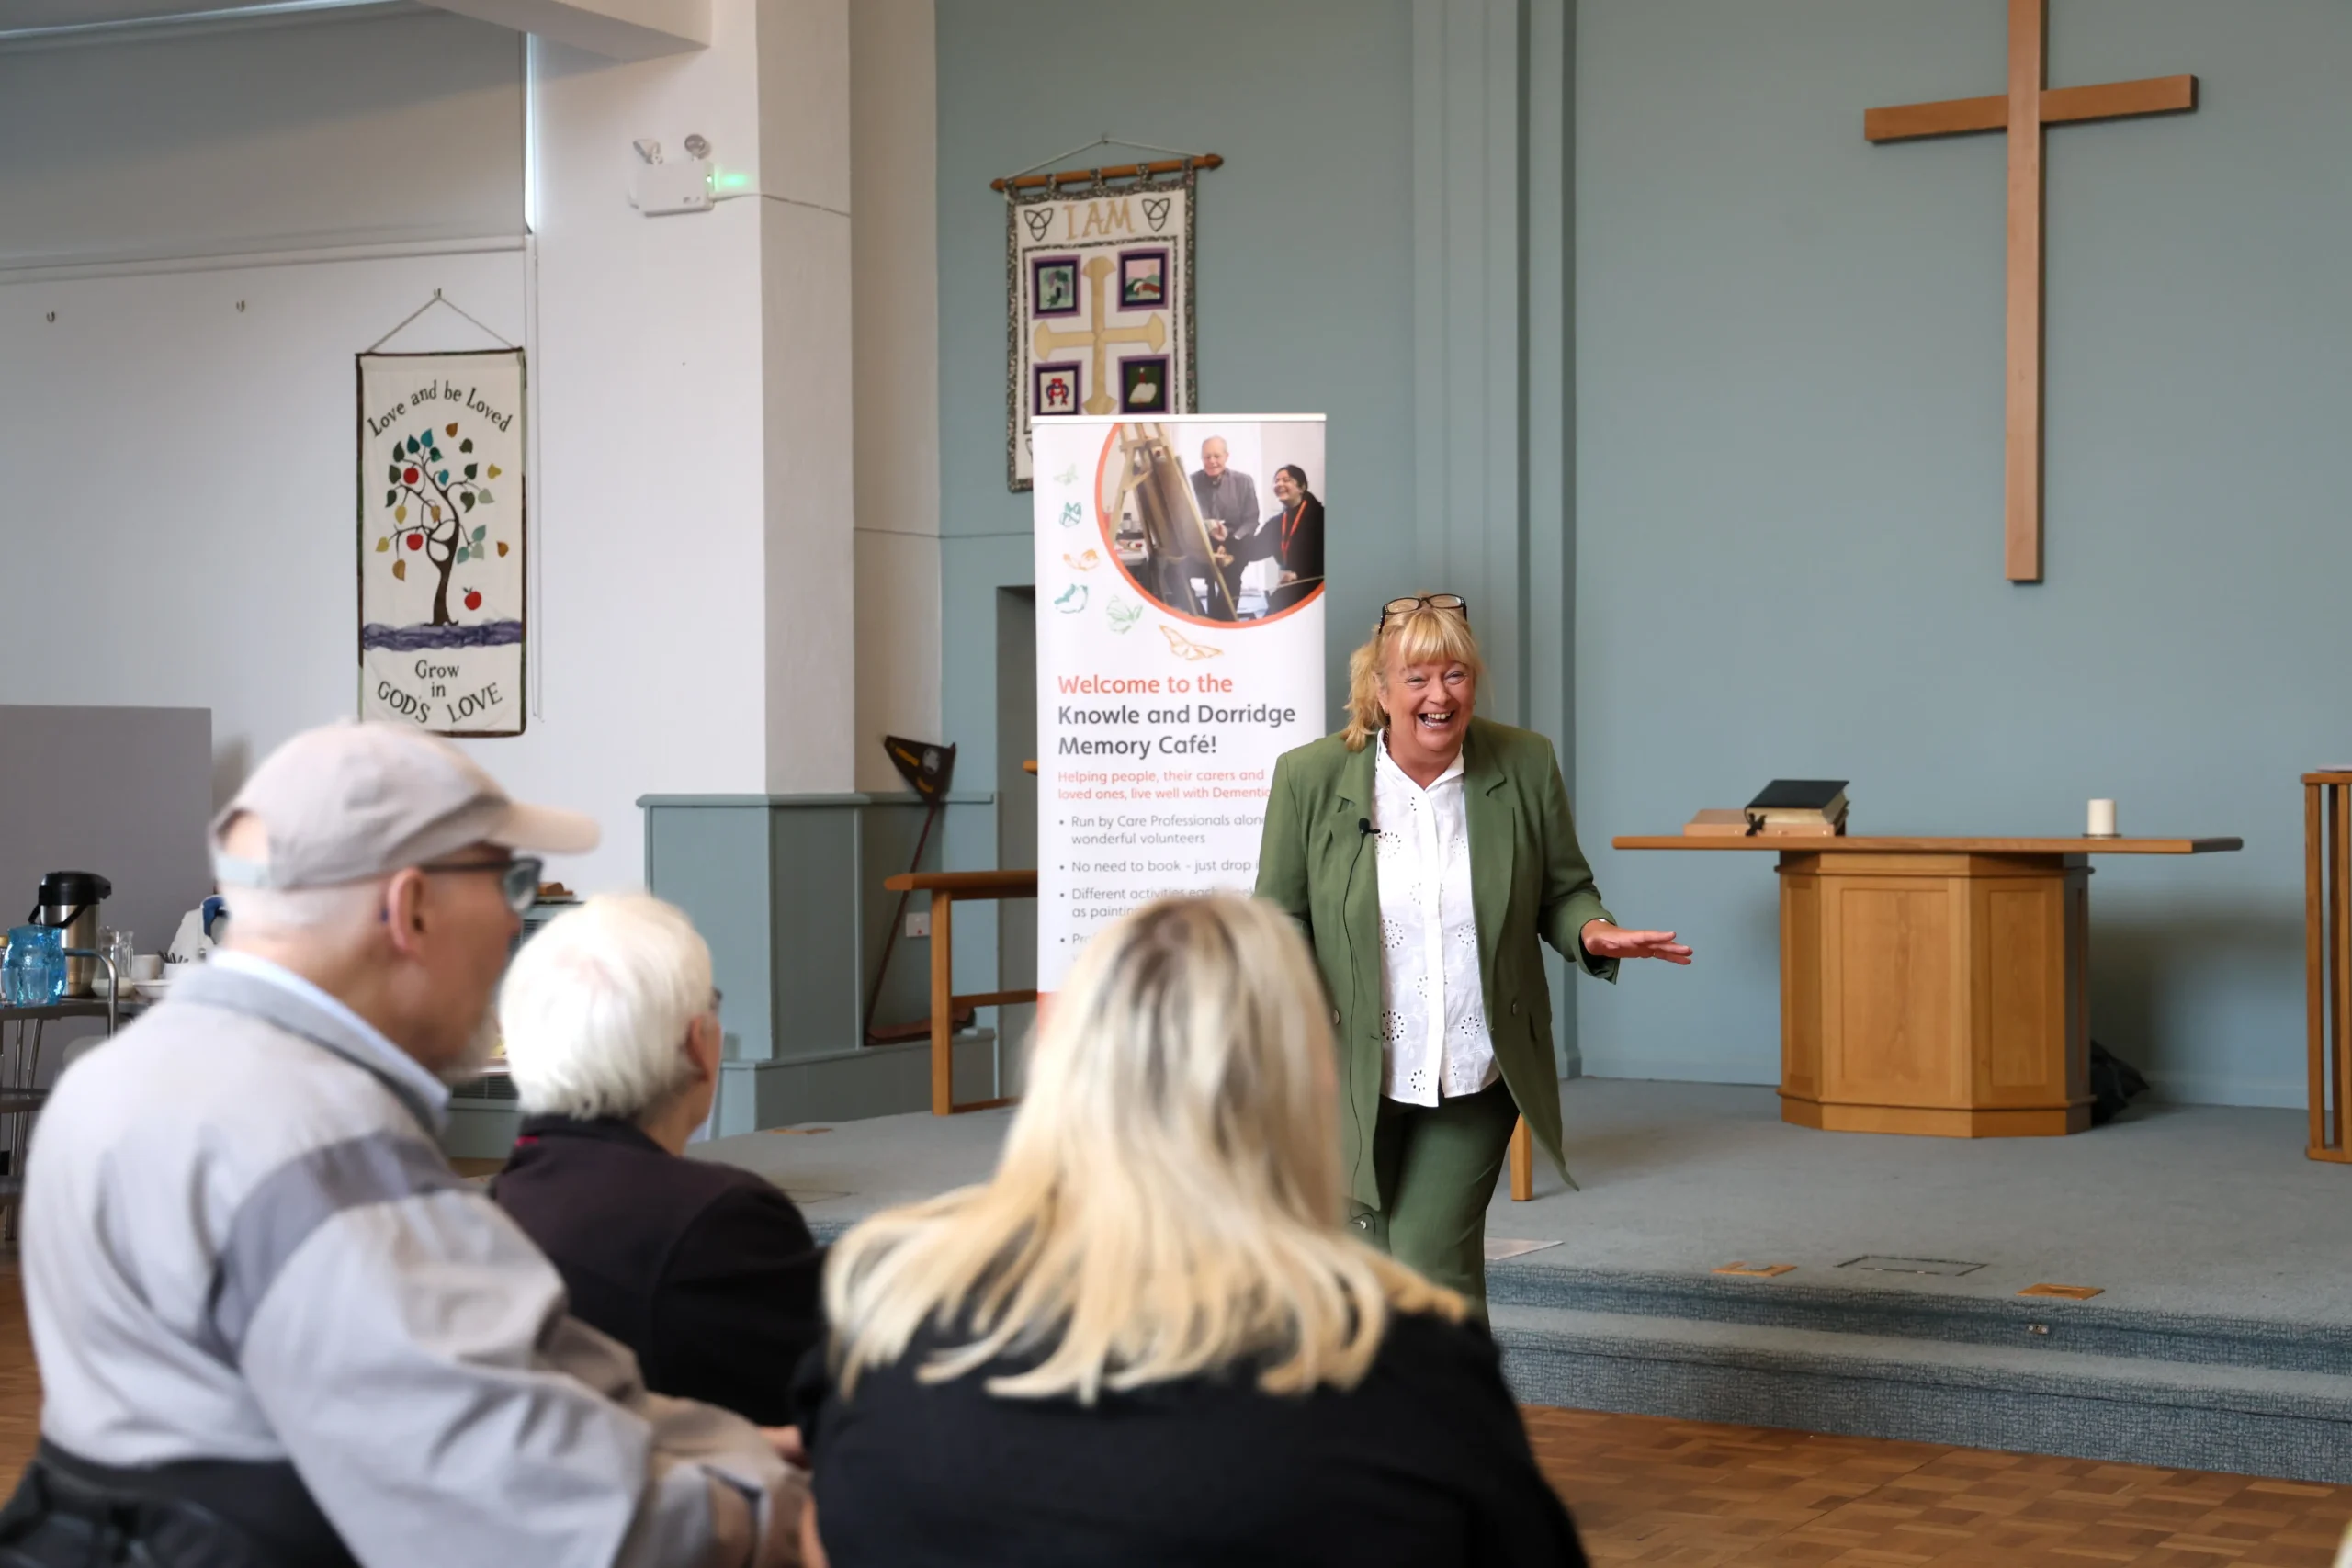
[
  {"x": 991, "y": 1000},
  {"x": 1111, "y": 172},
  {"x": 965, "y": 884}
]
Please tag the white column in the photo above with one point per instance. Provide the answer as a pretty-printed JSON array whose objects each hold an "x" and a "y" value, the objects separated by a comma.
[
  {"x": 894, "y": 259},
  {"x": 648, "y": 609},
  {"x": 807, "y": 424},
  {"x": 696, "y": 478}
]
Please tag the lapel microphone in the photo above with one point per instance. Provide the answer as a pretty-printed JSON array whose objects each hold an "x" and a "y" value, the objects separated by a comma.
[{"x": 1364, "y": 826}]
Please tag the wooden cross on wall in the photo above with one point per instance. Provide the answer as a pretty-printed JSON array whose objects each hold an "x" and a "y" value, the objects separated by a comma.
[{"x": 2030, "y": 104}]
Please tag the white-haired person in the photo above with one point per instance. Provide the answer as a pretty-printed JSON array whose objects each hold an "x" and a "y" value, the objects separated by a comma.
[
  {"x": 273, "y": 1327},
  {"x": 705, "y": 1271},
  {"x": 1149, "y": 1337}
]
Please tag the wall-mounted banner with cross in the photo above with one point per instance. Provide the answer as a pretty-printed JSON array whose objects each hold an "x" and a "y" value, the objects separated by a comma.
[
  {"x": 2029, "y": 106},
  {"x": 1098, "y": 300}
]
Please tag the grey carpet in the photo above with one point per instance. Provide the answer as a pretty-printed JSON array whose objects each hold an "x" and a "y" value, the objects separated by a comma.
[
  {"x": 2197, "y": 1210},
  {"x": 2222, "y": 1338}
]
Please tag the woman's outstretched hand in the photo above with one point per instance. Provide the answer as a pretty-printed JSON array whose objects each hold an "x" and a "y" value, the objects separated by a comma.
[{"x": 1603, "y": 940}]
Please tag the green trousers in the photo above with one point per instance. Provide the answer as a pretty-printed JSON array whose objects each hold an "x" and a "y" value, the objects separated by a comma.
[{"x": 1437, "y": 1167}]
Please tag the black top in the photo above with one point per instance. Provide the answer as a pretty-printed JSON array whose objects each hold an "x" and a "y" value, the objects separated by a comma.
[
  {"x": 705, "y": 1271},
  {"x": 1423, "y": 1465},
  {"x": 1294, "y": 537}
]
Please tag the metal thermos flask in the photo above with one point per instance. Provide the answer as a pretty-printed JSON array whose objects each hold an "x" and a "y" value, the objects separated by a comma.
[{"x": 69, "y": 900}]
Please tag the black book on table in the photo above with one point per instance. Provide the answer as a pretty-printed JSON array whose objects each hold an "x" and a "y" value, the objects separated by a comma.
[{"x": 1799, "y": 795}]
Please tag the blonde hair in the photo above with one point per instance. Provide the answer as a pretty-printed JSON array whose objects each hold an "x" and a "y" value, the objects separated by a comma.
[
  {"x": 1169, "y": 1199},
  {"x": 1423, "y": 635}
]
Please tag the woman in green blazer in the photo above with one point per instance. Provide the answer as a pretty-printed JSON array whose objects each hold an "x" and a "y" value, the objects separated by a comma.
[{"x": 1425, "y": 851}]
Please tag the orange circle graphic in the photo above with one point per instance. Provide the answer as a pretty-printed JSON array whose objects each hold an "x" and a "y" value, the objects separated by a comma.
[{"x": 1105, "y": 521}]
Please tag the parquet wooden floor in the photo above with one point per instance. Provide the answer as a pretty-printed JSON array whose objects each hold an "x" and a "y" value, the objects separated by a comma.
[
  {"x": 1685, "y": 1494},
  {"x": 19, "y": 1380},
  {"x": 1655, "y": 1492}
]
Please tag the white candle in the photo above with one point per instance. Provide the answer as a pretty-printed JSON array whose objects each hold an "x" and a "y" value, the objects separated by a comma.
[{"x": 2102, "y": 819}]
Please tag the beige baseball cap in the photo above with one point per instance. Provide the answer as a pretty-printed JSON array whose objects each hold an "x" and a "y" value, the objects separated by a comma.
[{"x": 352, "y": 801}]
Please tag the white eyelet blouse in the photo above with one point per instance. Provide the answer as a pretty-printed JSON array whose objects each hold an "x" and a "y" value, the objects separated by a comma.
[{"x": 1433, "y": 1019}]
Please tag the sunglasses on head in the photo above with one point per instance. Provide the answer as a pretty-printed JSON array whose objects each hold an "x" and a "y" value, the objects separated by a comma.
[
  {"x": 518, "y": 876},
  {"x": 1423, "y": 601}
]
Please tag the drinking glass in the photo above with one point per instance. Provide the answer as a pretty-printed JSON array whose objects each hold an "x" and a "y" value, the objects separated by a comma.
[{"x": 120, "y": 946}]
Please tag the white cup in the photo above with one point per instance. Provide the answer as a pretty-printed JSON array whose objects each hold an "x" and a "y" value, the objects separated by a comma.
[
  {"x": 2102, "y": 822},
  {"x": 146, "y": 967}
]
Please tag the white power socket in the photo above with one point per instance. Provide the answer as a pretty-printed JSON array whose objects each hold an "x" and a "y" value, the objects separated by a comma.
[
  {"x": 918, "y": 924},
  {"x": 660, "y": 189}
]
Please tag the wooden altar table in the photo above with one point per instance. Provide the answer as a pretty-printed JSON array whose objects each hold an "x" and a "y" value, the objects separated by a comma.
[{"x": 1936, "y": 985}]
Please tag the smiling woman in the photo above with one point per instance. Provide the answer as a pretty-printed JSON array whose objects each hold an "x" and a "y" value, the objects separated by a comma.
[{"x": 1426, "y": 852}]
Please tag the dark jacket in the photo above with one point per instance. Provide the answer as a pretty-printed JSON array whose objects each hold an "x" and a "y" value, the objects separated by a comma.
[
  {"x": 1294, "y": 539},
  {"x": 707, "y": 1271},
  {"x": 1424, "y": 1465},
  {"x": 1231, "y": 498},
  {"x": 1528, "y": 881}
]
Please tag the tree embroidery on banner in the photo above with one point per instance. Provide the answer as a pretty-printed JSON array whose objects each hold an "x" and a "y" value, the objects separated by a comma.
[
  {"x": 433, "y": 512},
  {"x": 443, "y": 529}
]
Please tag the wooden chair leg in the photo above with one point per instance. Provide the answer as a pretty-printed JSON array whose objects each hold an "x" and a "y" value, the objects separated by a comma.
[
  {"x": 943, "y": 1005},
  {"x": 2339, "y": 886},
  {"x": 2321, "y": 1061},
  {"x": 1522, "y": 1163}
]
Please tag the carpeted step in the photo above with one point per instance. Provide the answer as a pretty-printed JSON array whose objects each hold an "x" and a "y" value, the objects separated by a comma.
[
  {"x": 1924, "y": 1311},
  {"x": 2136, "y": 1409}
]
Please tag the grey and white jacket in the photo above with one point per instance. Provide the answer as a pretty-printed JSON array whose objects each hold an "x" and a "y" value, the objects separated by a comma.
[{"x": 241, "y": 1242}]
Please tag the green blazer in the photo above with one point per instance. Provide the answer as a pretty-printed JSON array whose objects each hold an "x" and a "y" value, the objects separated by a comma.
[{"x": 1528, "y": 880}]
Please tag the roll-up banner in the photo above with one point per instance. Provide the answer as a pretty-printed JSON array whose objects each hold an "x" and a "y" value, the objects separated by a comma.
[{"x": 1180, "y": 651}]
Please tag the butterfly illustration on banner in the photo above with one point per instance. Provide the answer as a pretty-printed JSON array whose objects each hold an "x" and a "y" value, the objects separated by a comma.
[{"x": 1193, "y": 652}]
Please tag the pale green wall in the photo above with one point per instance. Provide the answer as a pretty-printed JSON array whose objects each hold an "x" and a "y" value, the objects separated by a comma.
[
  {"x": 1762, "y": 514},
  {"x": 1304, "y": 251},
  {"x": 1304, "y": 258},
  {"x": 1789, "y": 368},
  {"x": 1387, "y": 244}
]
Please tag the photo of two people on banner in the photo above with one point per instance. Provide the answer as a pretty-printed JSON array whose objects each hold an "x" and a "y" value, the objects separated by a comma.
[{"x": 1269, "y": 554}]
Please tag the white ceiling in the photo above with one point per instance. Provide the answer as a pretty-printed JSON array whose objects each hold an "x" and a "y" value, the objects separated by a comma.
[
  {"x": 21, "y": 16},
  {"x": 16, "y": 14}
]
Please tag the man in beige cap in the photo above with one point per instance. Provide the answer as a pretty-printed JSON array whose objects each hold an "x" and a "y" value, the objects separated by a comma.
[{"x": 273, "y": 1327}]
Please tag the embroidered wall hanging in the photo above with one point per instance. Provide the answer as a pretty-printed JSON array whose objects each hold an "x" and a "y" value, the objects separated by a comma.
[
  {"x": 1098, "y": 298},
  {"x": 441, "y": 535}
]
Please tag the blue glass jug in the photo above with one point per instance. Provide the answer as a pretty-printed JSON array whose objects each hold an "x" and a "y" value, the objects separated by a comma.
[{"x": 34, "y": 973}]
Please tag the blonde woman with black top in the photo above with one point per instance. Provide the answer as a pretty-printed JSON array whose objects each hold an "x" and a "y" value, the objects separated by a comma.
[{"x": 1149, "y": 1339}]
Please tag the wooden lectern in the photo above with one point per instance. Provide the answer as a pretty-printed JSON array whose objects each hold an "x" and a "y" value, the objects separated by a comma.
[{"x": 1936, "y": 985}]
